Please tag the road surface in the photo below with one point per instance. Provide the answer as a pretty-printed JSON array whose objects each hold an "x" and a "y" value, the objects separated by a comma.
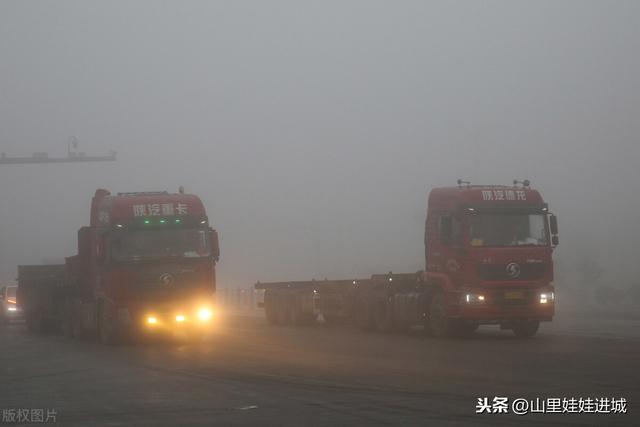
[{"x": 250, "y": 373}]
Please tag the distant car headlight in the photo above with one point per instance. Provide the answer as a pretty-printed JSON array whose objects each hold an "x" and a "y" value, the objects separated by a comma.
[
  {"x": 473, "y": 299},
  {"x": 204, "y": 314},
  {"x": 547, "y": 297}
]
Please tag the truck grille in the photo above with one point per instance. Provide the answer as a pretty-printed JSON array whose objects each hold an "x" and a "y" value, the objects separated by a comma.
[{"x": 497, "y": 272}]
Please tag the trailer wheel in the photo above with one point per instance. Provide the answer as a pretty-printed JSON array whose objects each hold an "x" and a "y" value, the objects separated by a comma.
[
  {"x": 362, "y": 313},
  {"x": 438, "y": 322},
  {"x": 383, "y": 315},
  {"x": 526, "y": 329}
]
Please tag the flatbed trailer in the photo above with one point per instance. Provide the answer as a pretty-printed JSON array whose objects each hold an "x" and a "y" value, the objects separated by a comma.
[{"x": 384, "y": 302}]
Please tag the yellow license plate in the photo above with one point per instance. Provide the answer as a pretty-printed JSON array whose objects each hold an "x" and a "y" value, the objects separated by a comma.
[{"x": 514, "y": 295}]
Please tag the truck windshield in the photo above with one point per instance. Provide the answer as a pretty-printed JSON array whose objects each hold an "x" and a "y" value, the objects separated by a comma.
[
  {"x": 508, "y": 230},
  {"x": 155, "y": 244}
]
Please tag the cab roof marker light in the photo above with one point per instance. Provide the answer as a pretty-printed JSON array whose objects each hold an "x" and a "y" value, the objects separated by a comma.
[
  {"x": 119, "y": 225},
  {"x": 178, "y": 221},
  {"x": 146, "y": 221},
  {"x": 204, "y": 221},
  {"x": 162, "y": 221}
]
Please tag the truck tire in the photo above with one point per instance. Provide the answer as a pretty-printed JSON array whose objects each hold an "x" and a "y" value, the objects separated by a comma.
[
  {"x": 362, "y": 313},
  {"x": 438, "y": 323},
  {"x": 383, "y": 315},
  {"x": 526, "y": 329}
]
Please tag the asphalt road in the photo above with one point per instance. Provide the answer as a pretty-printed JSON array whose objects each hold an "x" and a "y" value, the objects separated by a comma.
[{"x": 250, "y": 373}]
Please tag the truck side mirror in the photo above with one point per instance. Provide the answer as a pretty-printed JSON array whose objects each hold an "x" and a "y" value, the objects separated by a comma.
[
  {"x": 2, "y": 292},
  {"x": 553, "y": 224},
  {"x": 446, "y": 229},
  {"x": 554, "y": 240},
  {"x": 215, "y": 246}
]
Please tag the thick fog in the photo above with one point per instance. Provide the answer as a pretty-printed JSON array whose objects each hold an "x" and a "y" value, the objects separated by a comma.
[{"x": 313, "y": 131}]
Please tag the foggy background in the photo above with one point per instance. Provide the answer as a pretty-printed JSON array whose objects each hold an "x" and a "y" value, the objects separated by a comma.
[{"x": 313, "y": 131}]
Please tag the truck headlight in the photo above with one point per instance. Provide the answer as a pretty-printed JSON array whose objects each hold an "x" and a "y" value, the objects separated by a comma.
[
  {"x": 473, "y": 299},
  {"x": 204, "y": 314},
  {"x": 180, "y": 318},
  {"x": 547, "y": 297},
  {"x": 12, "y": 309},
  {"x": 152, "y": 320}
]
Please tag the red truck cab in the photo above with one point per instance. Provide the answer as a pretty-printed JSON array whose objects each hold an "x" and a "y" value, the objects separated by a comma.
[
  {"x": 488, "y": 249},
  {"x": 145, "y": 262}
]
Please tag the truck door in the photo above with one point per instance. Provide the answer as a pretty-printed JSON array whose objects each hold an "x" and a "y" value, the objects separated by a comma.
[{"x": 443, "y": 239}]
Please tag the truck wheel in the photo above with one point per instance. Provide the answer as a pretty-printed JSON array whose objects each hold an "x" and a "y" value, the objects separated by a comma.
[
  {"x": 526, "y": 329},
  {"x": 383, "y": 315},
  {"x": 438, "y": 322},
  {"x": 362, "y": 314}
]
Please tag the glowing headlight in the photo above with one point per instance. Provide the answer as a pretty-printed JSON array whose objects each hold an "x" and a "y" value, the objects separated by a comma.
[
  {"x": 205, "y": 314},
  {"x": 12, "y": 309},
  {"x": 180, "y": 318},
  {"x": 547, "y": 297},
  {"x": 473, "y": 299},
  {"x": 152, "y": 320}
]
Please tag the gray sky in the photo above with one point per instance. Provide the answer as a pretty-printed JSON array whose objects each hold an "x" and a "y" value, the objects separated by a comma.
[{"x": 314, "y": 130}]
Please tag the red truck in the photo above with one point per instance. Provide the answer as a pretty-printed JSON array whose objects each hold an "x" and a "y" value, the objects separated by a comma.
[
  {"x": 488, "y": 261},
  {"x": 145, "y": 263}
]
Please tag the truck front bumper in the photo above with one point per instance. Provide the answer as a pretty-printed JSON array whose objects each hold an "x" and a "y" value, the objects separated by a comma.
[
  {"x": 501, "y": 306},
  {"x": 164, "y": 317}
]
